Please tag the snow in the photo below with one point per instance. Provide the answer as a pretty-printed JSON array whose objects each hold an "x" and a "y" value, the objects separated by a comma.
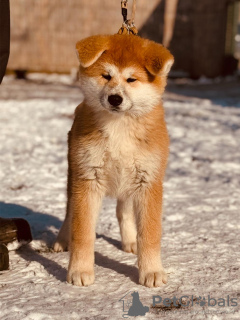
[{"x": 200, "y": 245}]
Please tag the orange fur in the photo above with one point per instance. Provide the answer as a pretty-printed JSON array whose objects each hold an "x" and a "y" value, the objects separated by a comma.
[{"x": 122, "y": 153}]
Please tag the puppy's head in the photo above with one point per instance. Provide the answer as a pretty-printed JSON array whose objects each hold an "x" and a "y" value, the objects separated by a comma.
[{"x": 123, "y": 73}]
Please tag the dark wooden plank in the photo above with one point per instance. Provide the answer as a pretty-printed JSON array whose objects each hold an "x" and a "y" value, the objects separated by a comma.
[
  {"x": 14, "y": 229},
  {"x": 4, "y": 257}
]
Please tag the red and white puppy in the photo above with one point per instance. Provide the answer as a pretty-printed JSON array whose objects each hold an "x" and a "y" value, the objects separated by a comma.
[{"x": 118, "y": 146}]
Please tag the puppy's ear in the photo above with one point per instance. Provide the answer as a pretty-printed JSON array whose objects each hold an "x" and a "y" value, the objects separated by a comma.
[
  {"x": 90, "y": 49},
  {"x": 158, "y": 59}
]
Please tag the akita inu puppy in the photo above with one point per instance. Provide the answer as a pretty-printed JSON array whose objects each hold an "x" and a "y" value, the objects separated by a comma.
[{"x": 118, "y": 146}]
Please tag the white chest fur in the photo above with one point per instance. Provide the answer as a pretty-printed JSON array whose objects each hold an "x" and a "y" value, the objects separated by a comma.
[{"x": 117, "y": 164}]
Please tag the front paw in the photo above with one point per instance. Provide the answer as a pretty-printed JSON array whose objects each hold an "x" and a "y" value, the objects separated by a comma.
[
  {"x": 80, "y": 278},
  {"x": 152, "y": 279}
]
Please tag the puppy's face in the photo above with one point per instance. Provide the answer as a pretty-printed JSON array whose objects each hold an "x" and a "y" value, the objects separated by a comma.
[{"x": 122, "y": 73}]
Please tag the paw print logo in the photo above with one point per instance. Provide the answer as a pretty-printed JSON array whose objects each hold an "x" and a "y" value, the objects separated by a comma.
[{"x": 201, "y": 301}]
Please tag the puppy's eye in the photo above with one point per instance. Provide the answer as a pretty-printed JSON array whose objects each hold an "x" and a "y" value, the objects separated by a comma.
[
  {"x": 107, "y": 77},
  {"x": 131, "y": 80}
]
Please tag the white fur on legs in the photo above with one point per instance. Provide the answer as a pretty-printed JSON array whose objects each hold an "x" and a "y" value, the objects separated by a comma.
[{"x": 127, "y": 224}]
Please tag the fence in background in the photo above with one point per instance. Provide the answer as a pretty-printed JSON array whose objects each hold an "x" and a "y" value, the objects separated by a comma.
[{"x": 44, "y": 32}]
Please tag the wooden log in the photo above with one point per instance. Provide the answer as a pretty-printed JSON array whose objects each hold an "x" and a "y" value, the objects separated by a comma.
[
  {"x": 4, "y": 257},
  {"x": 14, "y": 229}
]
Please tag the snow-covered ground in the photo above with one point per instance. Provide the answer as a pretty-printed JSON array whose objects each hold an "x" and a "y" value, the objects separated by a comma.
[{"x": 201, "y": 225}]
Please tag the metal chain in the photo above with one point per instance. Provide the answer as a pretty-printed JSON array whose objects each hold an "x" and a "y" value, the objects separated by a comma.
[{"x": 128, "y": 26}]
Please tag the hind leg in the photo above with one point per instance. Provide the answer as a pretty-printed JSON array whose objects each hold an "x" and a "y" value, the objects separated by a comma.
[
  {"x": 127, "y": 224},
  {"x": 62, "y": 241}
]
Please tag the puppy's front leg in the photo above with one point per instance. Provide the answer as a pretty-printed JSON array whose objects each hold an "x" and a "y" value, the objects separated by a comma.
[
  {"x": 85, "y": 204},
  {"x": 148, "y": 210}
]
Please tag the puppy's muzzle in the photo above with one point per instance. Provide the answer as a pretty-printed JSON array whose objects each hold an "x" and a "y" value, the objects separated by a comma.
[{"x": 115, "y": 100}]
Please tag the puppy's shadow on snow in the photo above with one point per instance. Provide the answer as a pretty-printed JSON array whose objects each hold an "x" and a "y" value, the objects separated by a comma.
[
  {"x": 108, "y": 263},
  {"x": 52, "y": 267},
  {"x": 114, "y": 242}
]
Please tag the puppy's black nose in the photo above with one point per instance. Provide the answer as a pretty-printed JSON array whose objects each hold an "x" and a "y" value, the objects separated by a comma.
[{"x": 115, "y": 100}]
